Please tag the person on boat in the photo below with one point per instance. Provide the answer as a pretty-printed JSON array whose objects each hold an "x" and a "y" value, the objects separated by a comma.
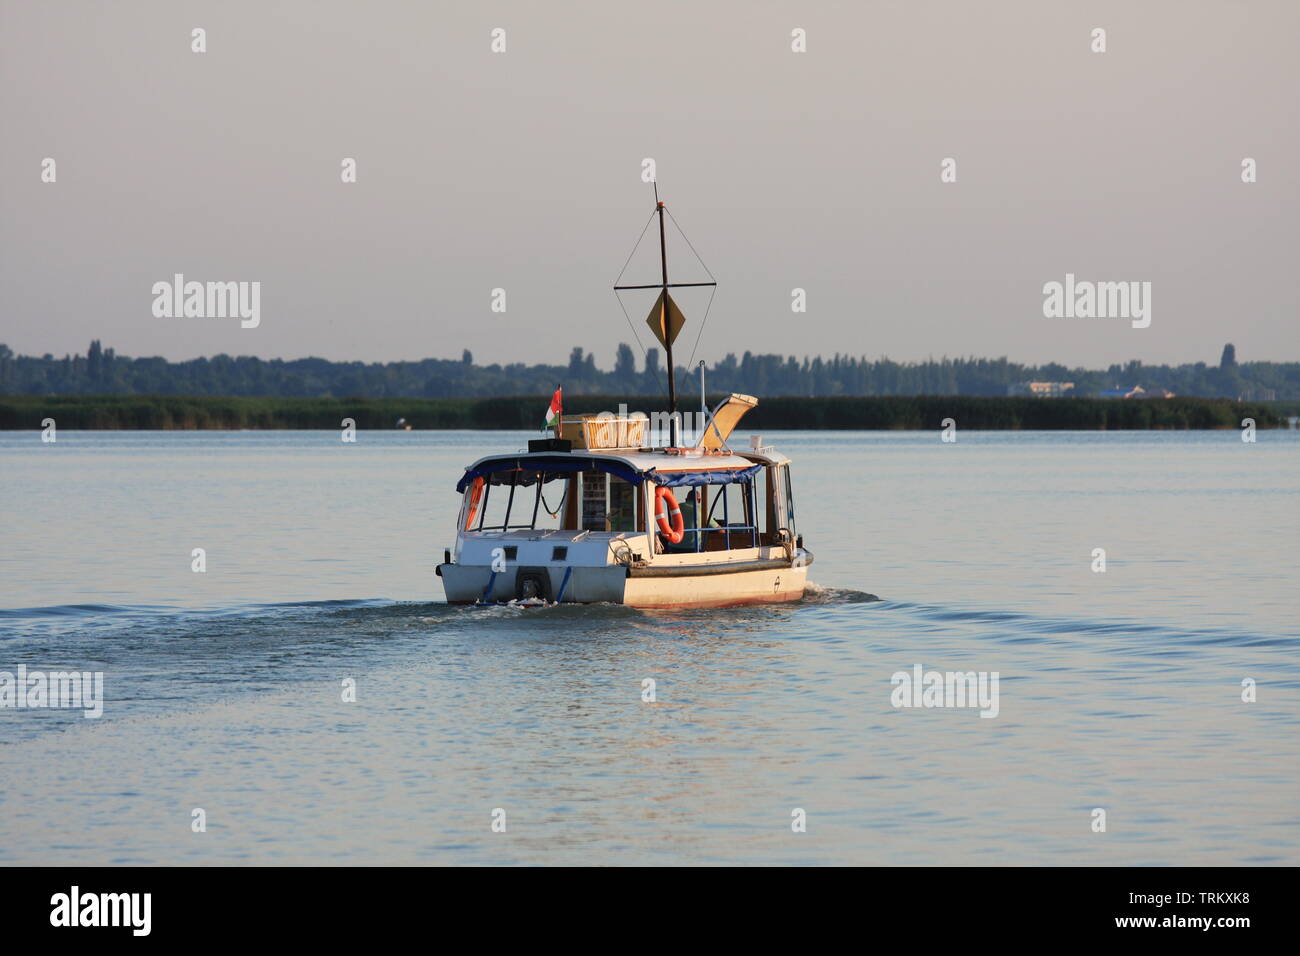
[{"x": 690, "y": 519}]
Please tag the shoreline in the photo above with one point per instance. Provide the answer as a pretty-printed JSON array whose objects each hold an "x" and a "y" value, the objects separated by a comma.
[{"x": 515, "y": 413}]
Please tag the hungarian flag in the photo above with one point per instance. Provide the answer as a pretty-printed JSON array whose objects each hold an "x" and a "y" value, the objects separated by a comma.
[{"x": 553, "y": 413}]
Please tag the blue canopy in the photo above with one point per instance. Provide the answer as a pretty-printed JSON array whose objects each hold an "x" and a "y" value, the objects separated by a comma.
[
  {"x": 718, "y": 476},
  {"x": 548, "y": 463},
  {"x": 527, "y": 469}
]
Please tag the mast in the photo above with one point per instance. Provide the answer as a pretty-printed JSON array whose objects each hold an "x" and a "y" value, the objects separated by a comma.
[
  {"x": 664, "y": 333},
  {"x": 704, "y": 407},
  {"x": 668, "y": 344}
]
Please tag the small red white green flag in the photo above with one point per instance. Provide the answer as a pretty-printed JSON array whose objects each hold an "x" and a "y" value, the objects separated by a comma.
[{"x": 553, "y": 413}]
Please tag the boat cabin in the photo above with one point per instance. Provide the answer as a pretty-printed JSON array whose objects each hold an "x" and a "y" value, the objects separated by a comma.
[
  {"x": 728, "y": 501},
  {"x": 592, "y": 525}
]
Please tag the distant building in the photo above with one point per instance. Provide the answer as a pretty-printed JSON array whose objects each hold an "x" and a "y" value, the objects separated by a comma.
[
  {"x": 1041, "y": 389},
  {"x": 1258, "y": 395},
  {"x": 1137, "y": 391}
]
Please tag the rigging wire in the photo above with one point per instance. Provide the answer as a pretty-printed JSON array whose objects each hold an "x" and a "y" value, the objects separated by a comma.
[
  {"x": 635, "y": 247},
  {"x": 703, "y": 323},
  {"x": 658, "y": 380},
  {"x": 688, "y": 242},
  {"x": 712, "y": 292},
  {"x": 637, "y": 338}
]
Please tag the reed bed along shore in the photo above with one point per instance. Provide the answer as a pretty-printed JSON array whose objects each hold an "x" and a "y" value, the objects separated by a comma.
[{"x": 527, "y": 412}]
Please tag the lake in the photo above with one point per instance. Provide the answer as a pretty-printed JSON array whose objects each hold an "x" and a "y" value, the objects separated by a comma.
[{"x": 1120, "y": 690}]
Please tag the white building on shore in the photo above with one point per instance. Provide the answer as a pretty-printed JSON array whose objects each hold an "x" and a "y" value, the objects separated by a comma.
[{"x": 1041, "y": 389}]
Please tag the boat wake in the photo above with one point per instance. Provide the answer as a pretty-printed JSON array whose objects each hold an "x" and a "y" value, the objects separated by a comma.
[
  {"x": 78, "y": 616},
  {"x": 816, "y": 594}
]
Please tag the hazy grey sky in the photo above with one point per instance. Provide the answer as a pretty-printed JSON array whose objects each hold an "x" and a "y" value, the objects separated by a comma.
[{"x": 521, "y": 170}]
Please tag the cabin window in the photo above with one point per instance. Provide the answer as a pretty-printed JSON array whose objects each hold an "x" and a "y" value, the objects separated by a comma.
[
  {"x": 594, "y": 500},
  {"x": 731, "y": 512},
  {"x": 769, "y": 507},
  {"x": 622, "y": 505},
  {"x": 608, "y": 503},
  {"x": 519, "y": 501},
  {"x": 728, "y": 517},
  {"x": 688, "y": 502},
  {"x": 548, "y": 511},
  {"x": 515, "y": 499},
  {"x": 789, "y": 501}
]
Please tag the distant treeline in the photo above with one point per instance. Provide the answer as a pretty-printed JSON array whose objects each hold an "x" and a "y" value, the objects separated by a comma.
[
  {"x": 527, "y": 412},
  {"x": 103, "y": 372}
]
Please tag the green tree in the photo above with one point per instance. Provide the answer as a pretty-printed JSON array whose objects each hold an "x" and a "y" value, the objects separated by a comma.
[{"x": 625, "y": 363}]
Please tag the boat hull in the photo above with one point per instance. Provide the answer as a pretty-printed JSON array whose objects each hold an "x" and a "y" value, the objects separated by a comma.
[
  {"x": 772, "y": 586},
  {"x": 774, "y": 583}
]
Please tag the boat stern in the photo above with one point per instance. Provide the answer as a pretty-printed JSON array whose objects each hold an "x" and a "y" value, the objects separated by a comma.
[{"x": 556, "y": 567}]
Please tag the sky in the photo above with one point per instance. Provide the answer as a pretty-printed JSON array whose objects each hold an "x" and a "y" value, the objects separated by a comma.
[{"x": 522, "y": 170}]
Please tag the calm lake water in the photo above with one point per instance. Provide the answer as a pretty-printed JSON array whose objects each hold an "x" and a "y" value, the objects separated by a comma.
[{"x": 1119, "y": 690}]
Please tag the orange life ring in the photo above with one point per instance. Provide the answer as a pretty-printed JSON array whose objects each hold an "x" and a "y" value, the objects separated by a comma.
[
  {"x": 475, "y": 496},
  {"x": 666, "y": 511}
]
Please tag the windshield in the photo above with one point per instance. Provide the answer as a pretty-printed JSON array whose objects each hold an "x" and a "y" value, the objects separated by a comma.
[
  {"x": 517, "y": 501},
  {"x": 520, "y": 500}
]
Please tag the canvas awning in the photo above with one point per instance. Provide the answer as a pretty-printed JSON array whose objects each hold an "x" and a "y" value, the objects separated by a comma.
[
  {"x": 499, "y": 469},
  {"x": 724, "y": 420},
  {"x": 715, "y": 476}
]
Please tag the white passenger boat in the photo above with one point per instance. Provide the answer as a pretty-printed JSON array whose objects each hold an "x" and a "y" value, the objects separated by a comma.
[{"x": 602, "y": 513}]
